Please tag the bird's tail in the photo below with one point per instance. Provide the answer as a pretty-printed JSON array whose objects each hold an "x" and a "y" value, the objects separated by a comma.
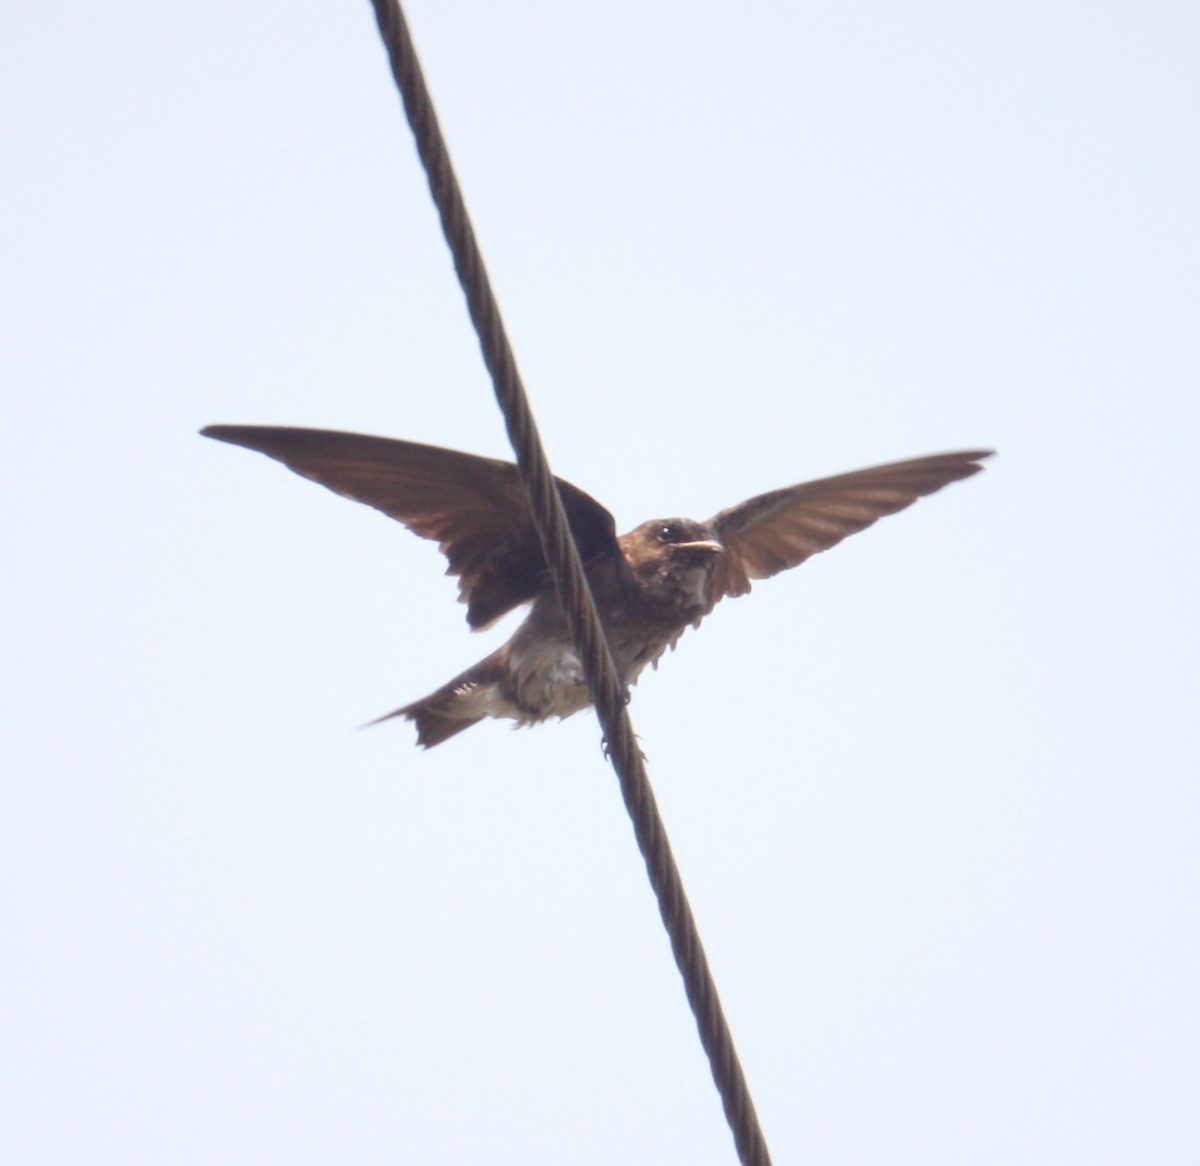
[
  {"x": 449, "y": 710},
  {"x": 433, "y": 725}
]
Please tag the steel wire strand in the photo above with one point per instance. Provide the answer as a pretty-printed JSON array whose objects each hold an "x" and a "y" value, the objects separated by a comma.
[{"x": 608, "y": 693}]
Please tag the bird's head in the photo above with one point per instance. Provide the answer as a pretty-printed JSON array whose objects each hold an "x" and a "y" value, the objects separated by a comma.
[{"x": 673, "y": 559}]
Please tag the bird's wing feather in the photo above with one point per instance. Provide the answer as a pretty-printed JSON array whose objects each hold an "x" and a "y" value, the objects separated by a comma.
[
  {"x": 775, "y": 531},
  {"x": 473, "y": 507}
]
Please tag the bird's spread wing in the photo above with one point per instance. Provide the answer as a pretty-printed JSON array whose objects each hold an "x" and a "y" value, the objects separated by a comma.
[
  {"x": 473, "y": 507},
  {"x": 774, "y": 531}
]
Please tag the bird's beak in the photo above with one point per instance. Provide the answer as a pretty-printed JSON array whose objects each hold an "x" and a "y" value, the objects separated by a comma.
[{"x": 707, "y": 545}]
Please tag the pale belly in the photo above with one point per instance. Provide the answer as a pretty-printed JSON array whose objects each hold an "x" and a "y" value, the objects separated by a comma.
[
  {"x": 545, "y": 679},
  {"x": 541, "y": 675}
]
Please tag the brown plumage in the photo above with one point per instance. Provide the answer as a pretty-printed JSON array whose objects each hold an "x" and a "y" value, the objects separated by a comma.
[{"x": 649, "y": 584}]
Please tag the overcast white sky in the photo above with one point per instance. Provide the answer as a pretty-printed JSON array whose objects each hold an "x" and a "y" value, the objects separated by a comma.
[{"x": 934, "y": 794}]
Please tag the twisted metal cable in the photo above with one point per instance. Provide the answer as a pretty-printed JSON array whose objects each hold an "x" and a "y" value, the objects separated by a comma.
[{"x": 608, "y": 693}]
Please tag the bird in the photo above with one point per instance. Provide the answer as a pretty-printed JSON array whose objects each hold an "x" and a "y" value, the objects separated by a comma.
[{"x": 649, "y": 585}]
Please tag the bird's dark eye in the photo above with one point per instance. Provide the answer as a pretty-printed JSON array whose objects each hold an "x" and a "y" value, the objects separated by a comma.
[{"x": 670, "y": 532}]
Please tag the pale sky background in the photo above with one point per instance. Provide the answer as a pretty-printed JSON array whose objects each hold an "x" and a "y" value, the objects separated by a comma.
[{"x": 934, "y": 794}]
